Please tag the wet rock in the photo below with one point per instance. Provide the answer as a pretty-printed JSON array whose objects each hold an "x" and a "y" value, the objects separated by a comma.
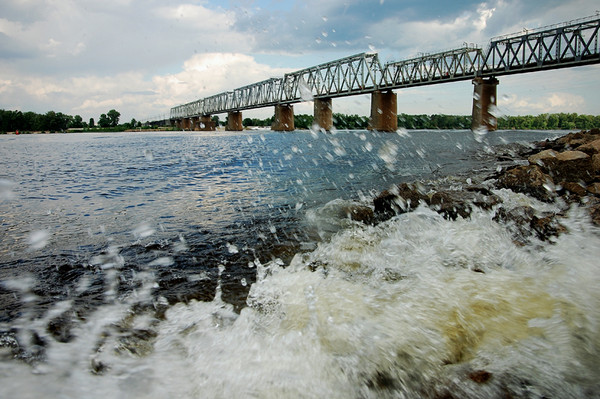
[
  {"x": 359, "y": 213},
  {"x": 594, "y": 188},
  {"x": 400, "y": 199},
  {"x": 590, "y": 148},
  {"x": 528, "y": 179},
  {"x": 547, "y": 227},
  {"x": 572, "y": 166},
  {"x": 450, "y": 204},
  {"x": 595, "y": 213},
  {"x": 480, "y": 376},
  {"x": 524, "y": 223},
  {"x": 596, "y": 163},
  {"x": 60, "y": 328},
  {"x": 572, "y": 140},
  {"x": 542, "y": 158},
  {"x": 574, "y": 191}
]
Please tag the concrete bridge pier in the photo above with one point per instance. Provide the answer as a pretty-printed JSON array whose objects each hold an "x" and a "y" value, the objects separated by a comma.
[
  {"x": 384, "y": 111},
  {"x": 178, "y": 124},
  {"x": 206, "y": 124},
  {"x": 234, "y": 121},
  {"x": 284, "y": 118},
  {"x": 195, "y": 123},
  {"x": 186, "y": 124},
  {"x": 323, "y": 113},
  {"x": 484, "y": 98}
]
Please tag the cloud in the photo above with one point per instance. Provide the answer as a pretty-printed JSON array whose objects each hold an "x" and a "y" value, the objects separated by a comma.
[{"x": 142, "y": 57}]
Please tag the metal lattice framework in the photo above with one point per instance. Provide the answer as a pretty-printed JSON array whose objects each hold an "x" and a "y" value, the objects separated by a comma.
[
  {"x": 452, "y": 65},
  {"x": 569, "y": 44},
  {"x": 560, "y": 46}
]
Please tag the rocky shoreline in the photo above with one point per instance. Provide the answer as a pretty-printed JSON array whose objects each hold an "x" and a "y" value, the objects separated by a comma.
[{"x": 565, "y": 171}]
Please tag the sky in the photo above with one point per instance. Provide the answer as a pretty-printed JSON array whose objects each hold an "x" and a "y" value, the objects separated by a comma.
[{"x": 142, "y": 57}]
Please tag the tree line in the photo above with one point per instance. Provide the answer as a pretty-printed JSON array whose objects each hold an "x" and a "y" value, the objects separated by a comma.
[
  {"x": 51, "y": 121},
  {"x": 11, "y": 121},
  {"x": 561, "y": 121}
]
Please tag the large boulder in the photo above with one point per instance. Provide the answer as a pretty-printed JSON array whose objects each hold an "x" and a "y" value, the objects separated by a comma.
[{"x": 571, "y": 166}]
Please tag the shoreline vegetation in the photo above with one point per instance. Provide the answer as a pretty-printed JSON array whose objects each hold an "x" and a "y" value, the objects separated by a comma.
[{"x": 57, "y": 122}]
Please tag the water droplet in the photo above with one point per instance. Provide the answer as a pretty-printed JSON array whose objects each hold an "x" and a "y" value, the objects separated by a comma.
[
  {"x": 6, "y": 192},
  {"x": 232, "y": 248},
  {"x": 38, "y": 239},
  {"x": 143, "y": 230},
  {"x": 162, "y": 261},
  {"x": 148, "y": 154},
  {"x": 244, "y": 282}
]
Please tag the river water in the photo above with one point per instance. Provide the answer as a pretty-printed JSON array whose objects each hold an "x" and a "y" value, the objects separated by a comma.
[{"x": 222, "y": 264}]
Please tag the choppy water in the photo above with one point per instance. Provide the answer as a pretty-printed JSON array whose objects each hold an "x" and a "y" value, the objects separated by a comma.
[{"x": 219, "y": 265}]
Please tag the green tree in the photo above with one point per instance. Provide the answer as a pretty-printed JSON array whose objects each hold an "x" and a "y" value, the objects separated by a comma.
[
  {"x": 92, "y": 123},
  {"x": 104, "y": 121},
  {"x": 113, "y": 117},
  {"x": 77, "y": 121}
]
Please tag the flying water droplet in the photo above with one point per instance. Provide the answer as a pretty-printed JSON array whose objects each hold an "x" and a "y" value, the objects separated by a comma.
[
  {"x": 6, "y": 192},
  {"x": 148, "y": 154},
  {"x": 143, "y": 230},
  {"x": 162, "y": 261},
  {"x": 305, "y": 91},
  {"x": 38, "y": 240},
  {"x": 232, "y": 248}
]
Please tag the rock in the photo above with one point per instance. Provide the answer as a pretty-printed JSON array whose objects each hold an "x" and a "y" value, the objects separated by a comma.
[
  {"x": 571, "y": 166},
  {"x": 578, "y": 190},
  {"x": 541, "y": 157},
  {"x": 590, "y": 148},
  {"x": 524, "y": 223},
  {"x": 547, "y": 226},
  {"x": 596, "y": 163},
  {"x": 594, "y": 208},
  {"x": 360, "y": 213},
  {"x": 480, "y": 376},
  {"x": 400, "y": 199},
  {"x": 528, "y": 179},
  {"x": 594, "y": 188},
  {"x": 450, "y": 204}
]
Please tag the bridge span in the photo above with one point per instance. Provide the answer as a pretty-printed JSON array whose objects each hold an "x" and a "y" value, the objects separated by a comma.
[{"x": 565, "y": 45}]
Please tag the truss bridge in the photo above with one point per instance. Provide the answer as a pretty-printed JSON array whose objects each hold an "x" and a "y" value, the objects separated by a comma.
[{"x": 564, "y": 45}]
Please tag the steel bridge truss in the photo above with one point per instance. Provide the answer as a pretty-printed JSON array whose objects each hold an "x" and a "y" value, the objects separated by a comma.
[
  {"x": 560, "y": 46},
  {"x": 571, "y": 44}
]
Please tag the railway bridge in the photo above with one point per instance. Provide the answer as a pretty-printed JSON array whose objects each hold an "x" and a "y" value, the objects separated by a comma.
[{"x": 565, "y": 45}]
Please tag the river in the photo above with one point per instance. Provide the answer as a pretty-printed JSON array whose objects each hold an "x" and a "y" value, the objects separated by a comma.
[{"x": 221, "y": 264}]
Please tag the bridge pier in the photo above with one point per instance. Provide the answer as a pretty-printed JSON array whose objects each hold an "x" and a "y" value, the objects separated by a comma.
[
  {"x": 384, "y": 111},
  {"x": 194, "y": 123},
  {"x": 234, "y": 121},
  {"x": 206, "y": 124},
  {"x": 484, "y": 97},
  {"x": 284, "y": 118},
  {"x": 186, "y": 124},
  {"x": 323, "y": 113}
]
